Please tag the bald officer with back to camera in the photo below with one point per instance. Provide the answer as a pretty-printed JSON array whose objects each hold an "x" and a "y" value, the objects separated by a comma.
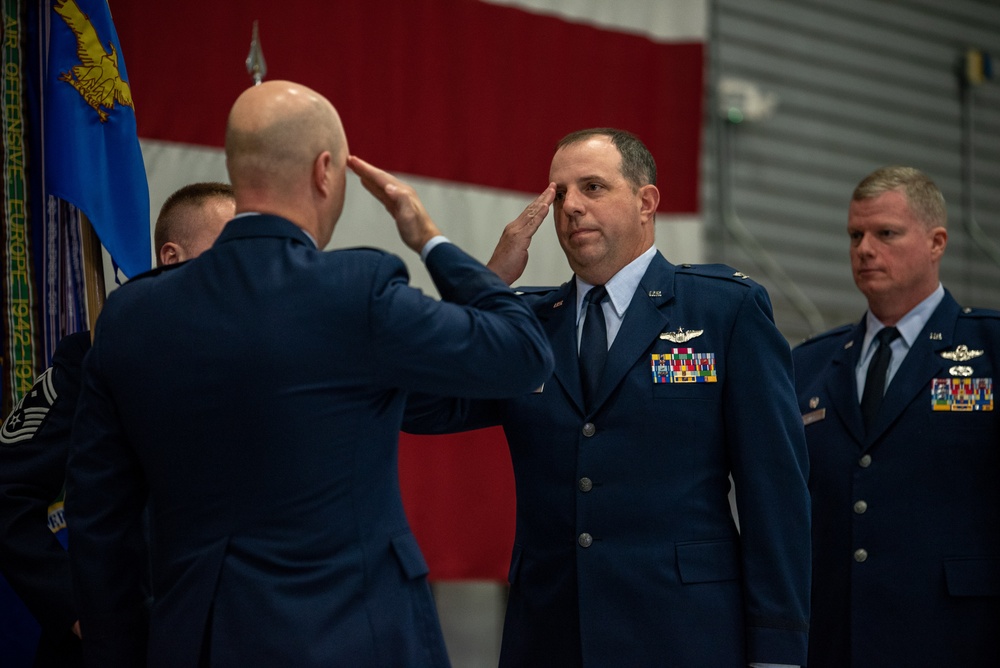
[
  {"x": 255, "y": 396},
  {"x": 904, "y": 445}
]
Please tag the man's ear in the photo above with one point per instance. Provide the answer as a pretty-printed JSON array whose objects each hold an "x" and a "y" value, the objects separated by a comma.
[
  {"x": 939, "y": 239},
  {"x": 649, "y": 198},
  {"x": 322, "y": 170},
  {"x": 170, "y": 253}
]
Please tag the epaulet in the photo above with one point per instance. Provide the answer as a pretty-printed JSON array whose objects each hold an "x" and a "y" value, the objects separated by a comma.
[
  {"x": 373, "y": 249},
  {"x": 836, "y": 331},
  {"x": 156, "y": 271},
  {"x": 535, "y": 289},
  {"x": 715, "y": 271},
  {"x": 970, "y": 312}
]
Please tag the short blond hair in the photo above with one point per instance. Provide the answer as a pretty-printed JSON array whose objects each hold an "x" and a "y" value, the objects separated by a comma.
[{"x": 922, "y": 195}]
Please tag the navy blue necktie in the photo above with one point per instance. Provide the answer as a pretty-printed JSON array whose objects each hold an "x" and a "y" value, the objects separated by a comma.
[
  {"x": 593, "y": 343},
  {"x": 875, "y": 380}
]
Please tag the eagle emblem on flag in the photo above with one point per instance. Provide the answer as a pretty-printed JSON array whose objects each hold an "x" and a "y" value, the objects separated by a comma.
[{"x": 96, "y": 78}]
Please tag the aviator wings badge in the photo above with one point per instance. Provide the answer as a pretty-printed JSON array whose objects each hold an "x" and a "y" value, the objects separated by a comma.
[
  {"x": 961, "y": 354},
  {"x": 96, "y": 78},
  {"x": 682, "y": 335}
]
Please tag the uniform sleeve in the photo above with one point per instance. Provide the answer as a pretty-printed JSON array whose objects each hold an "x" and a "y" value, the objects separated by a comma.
[
  {"x": 480, "y": 341},
  {"x": 769, "y": 458},
  {"x": 34, "y": 444},
  {"x": 105, "y": 498},
  {"x": 431, "y": 414}
]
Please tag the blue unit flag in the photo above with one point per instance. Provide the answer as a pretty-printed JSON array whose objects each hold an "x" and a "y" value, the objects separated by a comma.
[{"x": 92, "y": 154}]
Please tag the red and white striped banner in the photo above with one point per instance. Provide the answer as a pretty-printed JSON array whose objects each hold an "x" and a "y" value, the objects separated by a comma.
[{"x": 467, "y": 100}]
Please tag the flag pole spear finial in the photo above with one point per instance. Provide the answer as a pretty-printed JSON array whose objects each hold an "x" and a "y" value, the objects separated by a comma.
[{"x": 256, "y": 65}]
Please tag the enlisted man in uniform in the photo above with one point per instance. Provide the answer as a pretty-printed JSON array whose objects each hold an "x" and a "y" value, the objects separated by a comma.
[
  {"x": 904, "y": 444},
  {"x": 35, "y": 439},
  {"x": 626, "y": 552}
]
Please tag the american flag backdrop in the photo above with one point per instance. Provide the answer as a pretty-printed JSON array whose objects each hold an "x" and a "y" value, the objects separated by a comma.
[{"x": 466, "y": 100}]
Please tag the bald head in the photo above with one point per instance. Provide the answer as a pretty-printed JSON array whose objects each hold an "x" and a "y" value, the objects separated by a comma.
[{"x": 286, "y": 152}]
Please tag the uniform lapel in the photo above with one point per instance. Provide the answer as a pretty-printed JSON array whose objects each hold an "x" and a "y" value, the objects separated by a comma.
[
  {"x": 558, "y": 316},
  {"x": 922, "y": 363},
  {"x": 842, "y": 385},
  {"x": 642, "y": 324}
]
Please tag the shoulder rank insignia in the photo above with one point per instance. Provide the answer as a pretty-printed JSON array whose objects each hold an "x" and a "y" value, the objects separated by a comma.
[
  {"x": 961, "y": 354},
  {"x": 740, "y": 274},
  {"x": 682, "y": 335},
  {"x": 29, "y": 413}
]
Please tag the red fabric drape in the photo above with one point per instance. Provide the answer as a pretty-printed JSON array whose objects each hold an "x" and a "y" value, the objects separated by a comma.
[
  {"x": 458, "y": 491},
  {"x": 452, "y": 89}
]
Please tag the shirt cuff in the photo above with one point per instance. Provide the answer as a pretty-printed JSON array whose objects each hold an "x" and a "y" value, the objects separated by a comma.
[{"x": 431, "y": 245}]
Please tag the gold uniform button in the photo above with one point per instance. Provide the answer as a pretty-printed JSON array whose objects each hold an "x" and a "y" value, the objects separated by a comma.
[
  {"x": 860, "y": 507},
  {"x": 589, "y": 429},
  {"x": 585, "y": 540},
  {"x": 860, "y": 555},
  {"x": 865, "y": 461},
  {"x": 586, "y": 484}
]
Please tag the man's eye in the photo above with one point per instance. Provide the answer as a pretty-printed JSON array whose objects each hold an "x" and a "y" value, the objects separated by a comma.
[{"x": 560, "y": 196}]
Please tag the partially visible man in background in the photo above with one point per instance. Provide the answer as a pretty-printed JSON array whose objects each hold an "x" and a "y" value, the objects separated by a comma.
[
  {"x": 191, "y": 220},
  {"x": 35, "y": 439},
  {"x": 904, "y": 445}
]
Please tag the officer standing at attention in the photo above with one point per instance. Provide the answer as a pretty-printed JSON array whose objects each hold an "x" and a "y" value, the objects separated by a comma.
[
  {"x": 904, "y": 445},
  {"x": 668, "y": 380}
]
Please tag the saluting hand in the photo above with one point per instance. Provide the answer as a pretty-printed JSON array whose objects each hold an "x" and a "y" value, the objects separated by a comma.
[
  {"x": 413, "y": 222},
  {"x": 510, "y": 257}
]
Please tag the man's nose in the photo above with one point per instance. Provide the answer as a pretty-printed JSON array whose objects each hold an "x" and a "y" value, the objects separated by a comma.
[
  {"x": 573, "y": 203},
  {"x": 864, "y": 245}
]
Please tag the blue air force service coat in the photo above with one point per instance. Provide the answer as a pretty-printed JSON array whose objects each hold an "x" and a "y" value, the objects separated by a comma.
[
  {"x": 626, "y": 552},
  {"x": 34, "y": 445},
  {"x": 906, "y": 519},
  {"x": 255, "y": 394}
]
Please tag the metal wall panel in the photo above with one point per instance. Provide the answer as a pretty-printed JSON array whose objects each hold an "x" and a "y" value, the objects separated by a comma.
[{"x": 859, "y": 84}]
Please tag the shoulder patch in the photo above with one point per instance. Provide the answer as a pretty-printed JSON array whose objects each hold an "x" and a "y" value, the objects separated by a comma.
[{"x": 30, "y": 412}]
